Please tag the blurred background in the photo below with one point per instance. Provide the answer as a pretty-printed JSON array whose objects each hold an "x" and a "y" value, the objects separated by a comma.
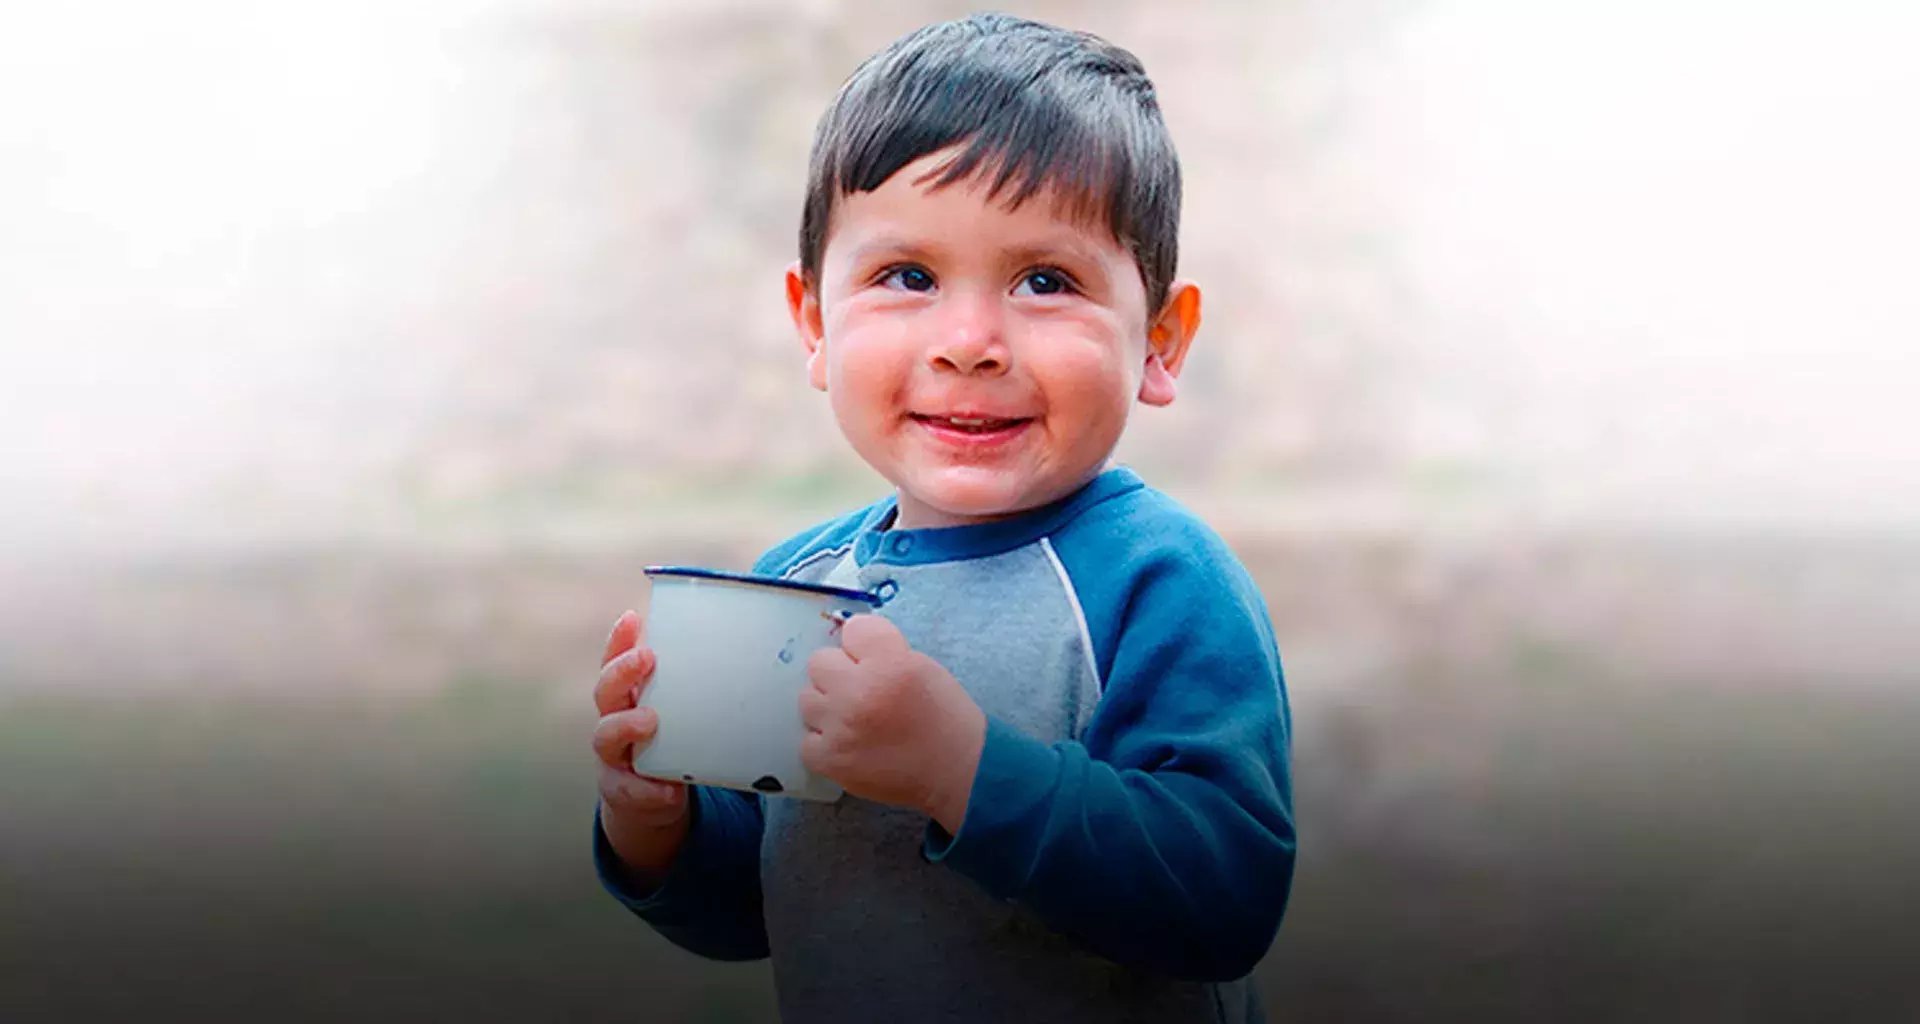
[{"x": 1555, "y": 384}]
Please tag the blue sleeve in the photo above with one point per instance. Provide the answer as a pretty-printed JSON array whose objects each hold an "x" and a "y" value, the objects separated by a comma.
[
  {"x": 709, "y": 903},
  {"x": 1165, "y": 840}
]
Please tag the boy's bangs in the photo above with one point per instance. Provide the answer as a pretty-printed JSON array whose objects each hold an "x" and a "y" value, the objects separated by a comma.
[
  {"x": 1018, "y": 158},
  {"x": 1022, "y": 138},
  {"x": 1077, "y": 180}
]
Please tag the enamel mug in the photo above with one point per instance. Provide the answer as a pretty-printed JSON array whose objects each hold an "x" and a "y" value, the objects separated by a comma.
[{"x": 731, "y": 660}]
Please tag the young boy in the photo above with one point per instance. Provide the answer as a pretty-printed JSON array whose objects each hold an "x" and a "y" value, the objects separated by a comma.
[{"x": 1064, "y": 740}]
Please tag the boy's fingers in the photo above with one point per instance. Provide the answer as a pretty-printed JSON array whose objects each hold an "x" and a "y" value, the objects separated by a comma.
[
  {"x": 622, "y": 679},
  {"x": 658, "y": 792},
  {"x": 616, "y": 735},
  {"x": 816, "y": 755},
  {"x": 631, "y": 792},
  {"x": 813, "y": 709},
  {"x": 870, "y": 636},
  {"x": 827, "y": 667},
  {"x": 626, "y": 633}
]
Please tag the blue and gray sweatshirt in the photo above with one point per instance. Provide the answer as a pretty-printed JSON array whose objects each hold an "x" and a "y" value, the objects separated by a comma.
[{"x": 1128, "y": 846}]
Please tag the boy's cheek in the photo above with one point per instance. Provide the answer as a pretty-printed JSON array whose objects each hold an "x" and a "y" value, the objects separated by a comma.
[{"x": 869, "y": 358}]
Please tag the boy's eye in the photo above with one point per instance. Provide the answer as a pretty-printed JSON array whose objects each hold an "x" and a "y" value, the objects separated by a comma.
[
  {"x": 1045, "y": 282},
  {"x": 913, "y": 279}
]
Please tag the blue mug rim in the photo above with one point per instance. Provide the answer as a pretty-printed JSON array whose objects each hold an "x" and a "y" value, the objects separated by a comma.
[{"x": 694, "y": 572}]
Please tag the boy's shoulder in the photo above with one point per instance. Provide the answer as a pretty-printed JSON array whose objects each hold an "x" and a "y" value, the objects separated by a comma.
[
  {"x": 1146, "y": 526},
  {"x": 1159, "y": 588},
  {"x": 1146, "y": 550}
]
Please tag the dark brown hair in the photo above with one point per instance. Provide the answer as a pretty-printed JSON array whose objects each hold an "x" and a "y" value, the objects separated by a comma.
[{"x": 1038, "y": 107}]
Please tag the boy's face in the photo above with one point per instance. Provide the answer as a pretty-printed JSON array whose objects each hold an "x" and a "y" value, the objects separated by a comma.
[{"x": 982, "y": 360}]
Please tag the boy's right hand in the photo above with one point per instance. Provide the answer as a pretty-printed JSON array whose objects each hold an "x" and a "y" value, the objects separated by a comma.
[{"x": 645, "y": 819}]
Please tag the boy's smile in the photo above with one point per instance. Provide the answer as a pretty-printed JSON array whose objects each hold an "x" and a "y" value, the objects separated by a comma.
[{"x": 983, "y": 360}]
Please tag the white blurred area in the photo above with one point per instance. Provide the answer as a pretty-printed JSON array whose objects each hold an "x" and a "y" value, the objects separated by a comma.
[
  {"x": 1671, "y": 248},
  {"x": 217, "y": 216},
  {"x": 301, "y": 270}
]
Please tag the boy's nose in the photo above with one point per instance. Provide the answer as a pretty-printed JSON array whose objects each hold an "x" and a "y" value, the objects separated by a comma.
[{"x": 970, "y": 339}]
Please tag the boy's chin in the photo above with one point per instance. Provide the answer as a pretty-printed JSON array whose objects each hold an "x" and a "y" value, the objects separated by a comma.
[{"x": 954, "y": 502}]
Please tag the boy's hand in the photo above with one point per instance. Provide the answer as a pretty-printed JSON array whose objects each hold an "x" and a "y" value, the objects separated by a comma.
[
  {"x": 644, "y": 819},
  {"x": 889, "y": 724}
]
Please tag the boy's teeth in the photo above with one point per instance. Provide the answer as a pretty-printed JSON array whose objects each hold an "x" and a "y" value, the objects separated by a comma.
[
  {"x": 975, "y": 423},
  {"x": 971, "y": 424}
]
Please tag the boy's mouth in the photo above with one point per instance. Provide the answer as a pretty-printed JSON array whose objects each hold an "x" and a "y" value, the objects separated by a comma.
[
  {"x": 975, "y": 435},
  {"x": 972, "y": 424}
]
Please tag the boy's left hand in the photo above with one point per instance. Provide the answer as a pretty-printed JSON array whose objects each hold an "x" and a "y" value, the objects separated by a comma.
[{"x": 889, "y": 724}]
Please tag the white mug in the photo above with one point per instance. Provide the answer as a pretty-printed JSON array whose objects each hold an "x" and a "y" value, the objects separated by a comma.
[{"x": 731, "y": 654}]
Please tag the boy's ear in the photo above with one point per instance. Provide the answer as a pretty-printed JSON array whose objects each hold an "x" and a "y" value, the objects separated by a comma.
[
  {"x": 1168, "y": 338},
  {"x": 804, "y": 303}
]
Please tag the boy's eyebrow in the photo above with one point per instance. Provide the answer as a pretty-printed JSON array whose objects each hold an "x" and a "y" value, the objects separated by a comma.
[
  {"x": 1054, "y": 248},
  {"x": 892, "y": 245}
]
